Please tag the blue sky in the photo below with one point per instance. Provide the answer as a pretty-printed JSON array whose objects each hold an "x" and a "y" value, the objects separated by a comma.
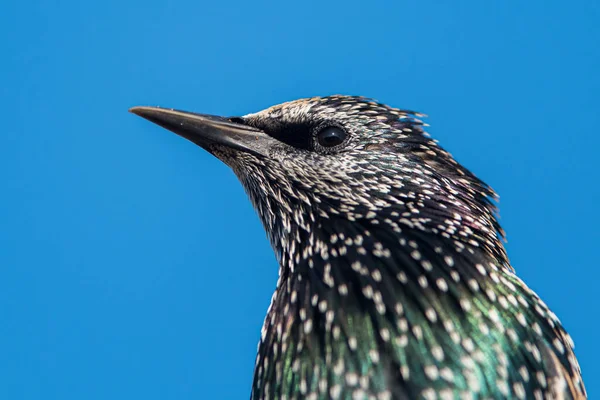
[{"x": 132, "y": 264}]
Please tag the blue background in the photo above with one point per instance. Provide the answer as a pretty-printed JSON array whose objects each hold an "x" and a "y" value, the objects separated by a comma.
[{"x": 132, "y": 264}]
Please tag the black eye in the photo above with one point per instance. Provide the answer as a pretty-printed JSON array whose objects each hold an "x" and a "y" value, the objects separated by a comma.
[{"x": 331, "y": 136}]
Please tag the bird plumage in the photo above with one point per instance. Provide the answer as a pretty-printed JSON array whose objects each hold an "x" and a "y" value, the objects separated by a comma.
[{"x": 393, "y": 281}]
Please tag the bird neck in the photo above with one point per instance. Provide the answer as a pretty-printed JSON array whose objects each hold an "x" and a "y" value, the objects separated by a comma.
[
  {"x": 364, "y": 296},
  {"x": 396, "y": 303}
]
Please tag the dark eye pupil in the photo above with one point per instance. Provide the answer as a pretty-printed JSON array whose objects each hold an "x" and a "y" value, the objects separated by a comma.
[{"x": 331, "y": 136}]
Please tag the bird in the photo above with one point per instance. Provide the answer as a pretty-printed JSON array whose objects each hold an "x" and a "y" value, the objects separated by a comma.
[{"x": 394, "y": 282}]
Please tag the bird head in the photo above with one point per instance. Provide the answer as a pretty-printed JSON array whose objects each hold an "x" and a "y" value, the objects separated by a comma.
[{"x": 307, "y": 162}]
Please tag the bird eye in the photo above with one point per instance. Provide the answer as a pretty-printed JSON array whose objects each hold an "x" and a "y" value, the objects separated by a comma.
[{"x": 331, "y": 136}]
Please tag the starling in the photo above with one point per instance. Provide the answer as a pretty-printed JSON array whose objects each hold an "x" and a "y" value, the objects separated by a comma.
[{"x": 393, "y": 279}]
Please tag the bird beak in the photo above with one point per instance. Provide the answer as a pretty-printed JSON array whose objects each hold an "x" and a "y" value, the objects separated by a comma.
[{"x": 208, "y": 130}]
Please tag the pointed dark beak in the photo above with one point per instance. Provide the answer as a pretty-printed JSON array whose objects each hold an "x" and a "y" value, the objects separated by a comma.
[{"x": 208, "y": 130}]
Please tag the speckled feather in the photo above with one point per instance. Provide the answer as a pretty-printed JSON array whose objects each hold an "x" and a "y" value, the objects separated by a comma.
[{"x": 393, "y": 281}]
